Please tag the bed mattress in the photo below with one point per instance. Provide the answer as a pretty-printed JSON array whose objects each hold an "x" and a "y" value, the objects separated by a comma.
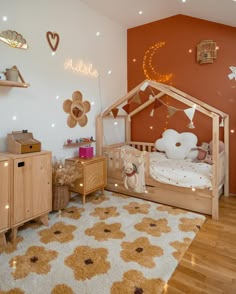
[{"x": 182, "y": 173}]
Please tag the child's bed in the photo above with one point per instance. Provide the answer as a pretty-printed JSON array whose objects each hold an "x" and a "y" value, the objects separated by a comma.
[{"x": 198, "y": 190}]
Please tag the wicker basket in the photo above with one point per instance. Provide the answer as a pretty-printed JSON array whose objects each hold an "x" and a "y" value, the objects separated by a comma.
[{"x": 60, "y": 197}]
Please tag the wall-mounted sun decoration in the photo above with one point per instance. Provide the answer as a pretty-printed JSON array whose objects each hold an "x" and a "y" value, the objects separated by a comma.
[
  {"x": 148, "y": 69},
  {"x": 77, "y": 109}
]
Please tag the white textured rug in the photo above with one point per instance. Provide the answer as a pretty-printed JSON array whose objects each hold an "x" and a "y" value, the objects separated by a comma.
[{"x": 113, "y": 244}]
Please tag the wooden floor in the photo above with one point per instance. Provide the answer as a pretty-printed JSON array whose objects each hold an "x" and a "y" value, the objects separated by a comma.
[{"x": 209, "y": 265}]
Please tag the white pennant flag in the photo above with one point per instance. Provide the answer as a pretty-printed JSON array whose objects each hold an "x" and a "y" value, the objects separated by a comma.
[
  {"x": 144, "y": 86},
  {"x": 221, "y": 122},
  {"x": 190, "y": 113},
  {"x": 150, "y": 96},
  {"x": 233, "y": 74}
]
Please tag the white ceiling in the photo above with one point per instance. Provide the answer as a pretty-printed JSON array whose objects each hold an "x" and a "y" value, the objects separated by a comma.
[{"x": 125, "y": 12}]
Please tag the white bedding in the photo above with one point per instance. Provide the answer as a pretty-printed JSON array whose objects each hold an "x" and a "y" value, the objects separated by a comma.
[{"x": 183, "y": 173}]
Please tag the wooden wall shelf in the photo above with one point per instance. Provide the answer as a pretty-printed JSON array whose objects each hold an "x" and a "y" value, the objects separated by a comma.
[
  {"x": 13, "y": 84},
  {"x": 78, "y": 144},
  {"x": 20, "y": 83}
]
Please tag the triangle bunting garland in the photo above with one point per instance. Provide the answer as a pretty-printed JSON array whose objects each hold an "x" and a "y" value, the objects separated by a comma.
[
  {"x": 157, "y": 103},
  {"x": 126, "y": 108},
  {"x": 144, "y": 86},
  {"x": 171, "y": 110},
  {"x": 115, "y": 112},
  {"x": 221, "y": 122},
  {"x": 190, "y": 114},
  {"x": 136, "y": 99}
]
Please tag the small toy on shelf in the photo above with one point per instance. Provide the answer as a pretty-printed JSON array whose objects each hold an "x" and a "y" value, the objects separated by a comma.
[{"x": 79, "y": 142}]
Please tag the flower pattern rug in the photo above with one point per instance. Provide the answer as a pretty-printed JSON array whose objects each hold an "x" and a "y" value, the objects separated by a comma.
[{"x": 113, "y": 244}]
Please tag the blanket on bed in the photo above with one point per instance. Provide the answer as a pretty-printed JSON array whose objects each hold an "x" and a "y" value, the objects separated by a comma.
[{"x": 183, "y": 173}]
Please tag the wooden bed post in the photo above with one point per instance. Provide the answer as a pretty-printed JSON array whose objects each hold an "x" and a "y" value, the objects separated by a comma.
[
  {"x": 127, "y": 128},
  {"x": 215, "y": 167},
  {"x": 99, "y": 135},
  {"x": 226, "y": 141}
]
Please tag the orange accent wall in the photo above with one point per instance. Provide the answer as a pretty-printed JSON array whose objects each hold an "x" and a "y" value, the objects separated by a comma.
[{"x": 166, "y": 51}]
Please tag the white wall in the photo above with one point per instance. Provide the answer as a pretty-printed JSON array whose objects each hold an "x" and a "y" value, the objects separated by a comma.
[{"x": 36, "y": 108}]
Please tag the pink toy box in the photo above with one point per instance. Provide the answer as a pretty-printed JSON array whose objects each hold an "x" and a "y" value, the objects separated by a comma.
[{"x": 86, "y": 152}]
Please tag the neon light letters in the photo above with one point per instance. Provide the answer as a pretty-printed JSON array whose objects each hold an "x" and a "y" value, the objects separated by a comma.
[{"x": 81, "y": 67}]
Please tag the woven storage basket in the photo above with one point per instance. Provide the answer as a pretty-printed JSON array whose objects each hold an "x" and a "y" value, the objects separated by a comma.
[{"x": 60, "y": 197}]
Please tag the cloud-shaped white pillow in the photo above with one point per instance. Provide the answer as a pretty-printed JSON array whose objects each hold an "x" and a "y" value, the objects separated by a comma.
[{"x": 178, "y": 145}]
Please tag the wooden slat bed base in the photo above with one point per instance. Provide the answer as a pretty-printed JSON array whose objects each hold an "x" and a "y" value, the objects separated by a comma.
[
  {"x": 163, "y": 195},
  {"x": 198, "y": 200}
]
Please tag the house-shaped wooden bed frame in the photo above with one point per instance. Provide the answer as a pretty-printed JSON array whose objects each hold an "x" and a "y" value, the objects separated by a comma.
[{"x": 200, "y": 200}]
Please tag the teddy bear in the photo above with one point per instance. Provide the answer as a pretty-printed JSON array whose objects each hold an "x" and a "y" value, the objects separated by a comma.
[{"x": 131, "y": 176}]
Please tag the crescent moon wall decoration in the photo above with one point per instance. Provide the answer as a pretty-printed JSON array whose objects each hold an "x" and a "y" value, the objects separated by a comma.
[
  {"x": 148, "y": 68},
  {"x": 53, "y": 40}
]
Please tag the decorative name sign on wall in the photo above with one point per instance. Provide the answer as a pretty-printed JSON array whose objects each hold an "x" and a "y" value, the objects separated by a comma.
[{"x": 81, "y": 67}]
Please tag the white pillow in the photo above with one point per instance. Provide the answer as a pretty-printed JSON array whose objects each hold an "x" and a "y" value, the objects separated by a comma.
[{"x": 178, "y": 145}]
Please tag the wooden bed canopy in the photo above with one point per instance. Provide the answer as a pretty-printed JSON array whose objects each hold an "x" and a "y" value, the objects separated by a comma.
[{"x": 202, "y": 200}]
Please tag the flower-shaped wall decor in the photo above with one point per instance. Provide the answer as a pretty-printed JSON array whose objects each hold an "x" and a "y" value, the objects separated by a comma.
[{"x": 77, "y": 109}]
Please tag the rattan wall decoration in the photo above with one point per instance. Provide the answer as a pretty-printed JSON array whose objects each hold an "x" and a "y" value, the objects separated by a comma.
[
  {"x": 206, "y": 51},
  {"x": 77, "y": 109},
  {"x": 13, "y": 39}
]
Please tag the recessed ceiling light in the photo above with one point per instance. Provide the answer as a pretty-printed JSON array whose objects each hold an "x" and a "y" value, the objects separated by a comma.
[
  {"x": 183, "y": 1},
  {"x": 140, "y": 12},
  {"x": 98, "y": 34},
  {"x": 109, "y": 72},
  {"x": 4, "y": 18}
]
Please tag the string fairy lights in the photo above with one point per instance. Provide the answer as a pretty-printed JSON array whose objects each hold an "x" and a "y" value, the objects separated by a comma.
[{"x": 148, "y": 68}]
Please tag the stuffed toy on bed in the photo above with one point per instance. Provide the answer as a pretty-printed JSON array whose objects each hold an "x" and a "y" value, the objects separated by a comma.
[
  {"x": 205, "y": 151},
  {"x": 131, "y": 176}
]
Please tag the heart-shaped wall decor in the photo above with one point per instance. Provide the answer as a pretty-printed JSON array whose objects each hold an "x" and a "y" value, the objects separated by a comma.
[{"x": 53, "y": 40}]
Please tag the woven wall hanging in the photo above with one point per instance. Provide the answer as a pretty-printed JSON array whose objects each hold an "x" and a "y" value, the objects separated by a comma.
[
  {"x": 206, "y": 51},
  {"x": 77, "y": 109}
]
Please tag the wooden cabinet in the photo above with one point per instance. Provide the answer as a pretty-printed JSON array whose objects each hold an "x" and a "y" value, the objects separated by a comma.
[
  {"x": 4, "y": 198},
  {"x": 30, "y": 188},
  {"x": 93, "y": 175}
]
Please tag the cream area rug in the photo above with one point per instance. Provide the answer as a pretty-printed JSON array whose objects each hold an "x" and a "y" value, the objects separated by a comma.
[{"x": 113, "y": 244}]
